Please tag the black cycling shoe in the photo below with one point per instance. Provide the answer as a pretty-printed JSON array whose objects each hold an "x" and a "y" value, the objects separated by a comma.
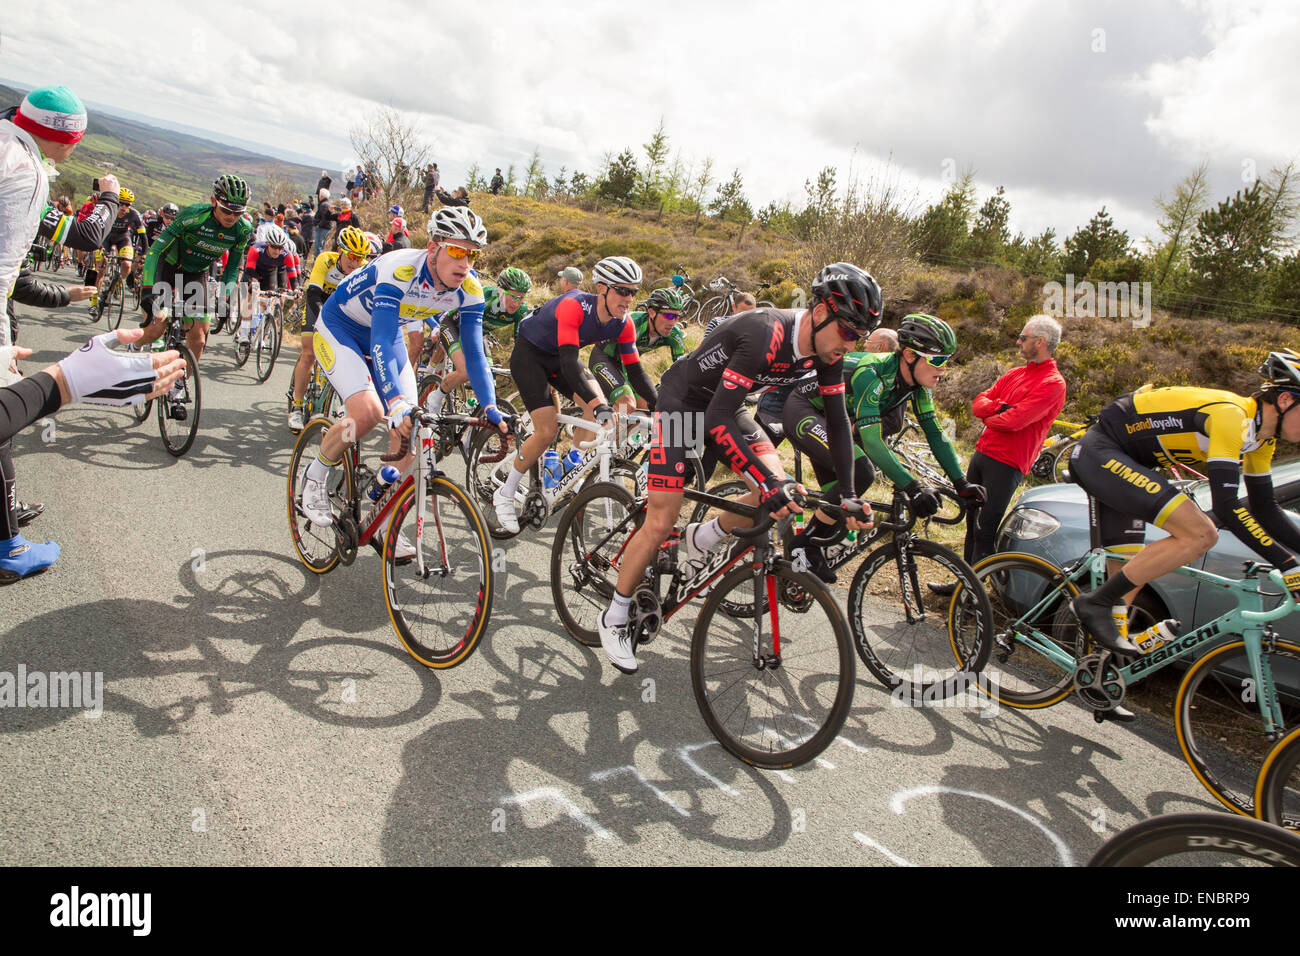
[
  {"x": 29, "y": 512},
  {"x": 946, "y": 589},
  {"x": 813, "y": 557},
  {"x": 1101, "y": 625}
]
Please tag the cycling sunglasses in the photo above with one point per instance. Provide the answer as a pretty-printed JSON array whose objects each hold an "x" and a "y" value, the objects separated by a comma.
[
  {"x": 233, "y": 210},
  {"x": 670, "y": 316},
  {"x": 460, "y": 252},
  {"x": 623, "y": 290},
  {"x": 935, "y": 361},
  {"x": 847, "y": 332}
]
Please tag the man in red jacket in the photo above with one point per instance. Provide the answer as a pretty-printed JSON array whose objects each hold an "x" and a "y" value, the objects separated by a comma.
[{"x": 1017, "y": 412}]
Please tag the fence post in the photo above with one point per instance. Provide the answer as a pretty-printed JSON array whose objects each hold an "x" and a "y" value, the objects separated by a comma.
[{"x": 740, "y": 238}]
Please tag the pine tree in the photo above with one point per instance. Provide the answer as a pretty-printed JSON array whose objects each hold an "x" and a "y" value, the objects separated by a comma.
[
  {"x": 730, "y": 205},
  {"x": 1233, "y": 246},
  {"x": 649, "y": 188},
  {"x": 945, "y": 226},
  {"x": 1178, "y": 222},
  {"x": 1097, "y": 240},
  {"x": 990, "y": 234}
]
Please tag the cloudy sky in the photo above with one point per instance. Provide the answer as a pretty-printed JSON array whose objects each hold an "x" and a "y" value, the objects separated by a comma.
[{"x": 1068, "y": 105}]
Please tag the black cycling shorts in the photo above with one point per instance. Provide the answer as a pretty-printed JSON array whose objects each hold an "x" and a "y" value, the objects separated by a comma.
[
  {"x": 677, "y": 429},
  {"x": 805, "y": 426},
  {"x": 536, "y": 373},
  {"x": 1124, "y": 494},
  {"x": 449, "y": 334},
  {"x": 611, "y": 375}
]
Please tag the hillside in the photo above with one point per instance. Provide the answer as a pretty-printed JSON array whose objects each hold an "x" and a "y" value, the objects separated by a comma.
[{"x": 162, "y": 165}]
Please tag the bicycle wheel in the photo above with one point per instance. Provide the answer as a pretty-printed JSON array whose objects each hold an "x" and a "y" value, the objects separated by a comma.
[
  {"x": 317, "y": 547},
  {"x": 265, "y": 350},
  {"x": 1277, "y": 790},
  {"x": 1218, "y": 720},
  {"x": 117, "y": 307},
  {"x": 1199, "y": 839},
  {"x": 727, "y": 489},
  {"x": 1030, "y": 601},
  {"x": 773, "y": 688},
  {"x": 1061, "y": 462},
  {"x": 325, "y": 402},
  {"x": 279, "y": 334},
  {"x": 178, "y": 415},
  {"x": 141, "y": 411},
  {"x": 439, "y": 615},
  {"x": 242, "y": 350},
  {"x": 589, "y": 541},
  {"x": 908, "y": 635},
  {"x": 487, "y": 467}
]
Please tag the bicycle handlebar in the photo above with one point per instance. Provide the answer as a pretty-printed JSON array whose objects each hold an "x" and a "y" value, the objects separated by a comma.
[{"x": 1282, "y": 610}]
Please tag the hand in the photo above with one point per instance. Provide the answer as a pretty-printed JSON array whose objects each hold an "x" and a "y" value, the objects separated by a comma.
[
  {"x": 922, "y": 499},
  {"x": 970, "y": 492},
  {"x": 604, "y": 414},
  {"x": 399, "y": 417},
  {"x": 778, "y": 497},
  {"x": 98, "y": 375},
  {"x": 79, "y": 293},
  {"x": 108, "y": 184},
  {"x": 9, "y": 356},
  {"x": 862, "y": 509}
]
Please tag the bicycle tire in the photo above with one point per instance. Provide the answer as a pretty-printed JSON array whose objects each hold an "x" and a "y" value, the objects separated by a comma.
[
  {"x": 735, "y": 488},
  {"x": 1061, "y": 462},
  {"x": 182, "y": 440},
  {"x": 1218, "y": 722},
  {"x": 1014, "y": 584},
  {"x": 584, "y": 566},
  {"x": 140, "y": 412},
  {"x": 324, "y": 404},
  {"x": 722, "y": 656},
  {"x": 765, "y": 304},
  {"x": 317, "y": 548},
  {"x": 279, "y": 333},
  {"x": 242, "y": 351},
  {"x": 1277, "y": 790},
  {"x": 485, "y": 471},
  {"x": 264, "y": 349},
  {"x": 117, "y": 306},
  {"x": 914, "y": 658},
  {"x": 1203, "y": 833},
  {"x": 449, "y": 635}
]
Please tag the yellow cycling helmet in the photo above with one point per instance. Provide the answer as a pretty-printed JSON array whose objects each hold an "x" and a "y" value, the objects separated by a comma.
[
  {"x": 353, "y": 241},
  {"x": 125, "y": 195}
]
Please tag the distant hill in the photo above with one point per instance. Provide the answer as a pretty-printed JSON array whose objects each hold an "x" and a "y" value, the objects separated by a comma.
[{"x": 161, "y": 165}]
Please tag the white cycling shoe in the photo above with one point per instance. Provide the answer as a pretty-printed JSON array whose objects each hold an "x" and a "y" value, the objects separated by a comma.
[
  {"x": 316, "y": 503},
  {"x": 690, "y": 553},
  {"x": 295, "y": 420},
  {"x": 404, "y": 551},
  {"x": 504, "y": 505},
  {"x": 619, "y": 645}
]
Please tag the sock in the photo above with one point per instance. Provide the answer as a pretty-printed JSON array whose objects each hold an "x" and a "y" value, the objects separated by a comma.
[
  {"x": 618, "y": 610},
  {"x": 435, "y": 400},
  {"x": 1119, "y": 614},
  {"x": 297, "y": 403},
  {"x": 1113, "y": 591},
  {"x": 709, "y": 534},
  {"x": 319, "y": 469},
  {"x": 512, "y": 483}
]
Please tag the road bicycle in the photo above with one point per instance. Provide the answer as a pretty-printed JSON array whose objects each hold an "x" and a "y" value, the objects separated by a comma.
[
  {"x": 178, "y": 410},
  {"x": 1277, "y": 789},
  {"x": 112, "y": 294},
  {"x": 771, "y": 657},
  {"x": 1053, "y": 462},
  {"x": 1200, "y": 839},
  {"x": 267, "y": 332},
  {"x": 724, "y": 303},
  {"x": 440, "y": 601},
  {"x": 319, "y": 400},
  {"x": 1229, "y": 709},
  {"x": 681, "y": 281}
]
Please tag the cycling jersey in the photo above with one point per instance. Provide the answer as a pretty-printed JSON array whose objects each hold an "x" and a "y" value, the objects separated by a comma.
[
  {"x": 272, "y": 272},
  {"x": 648, "y": 341},
  {"x": 605, "y": 365},
  {"x": 1115, "y": 463},
  {"x": 396, "y": 289},
  {"x": 875, "y": 390},
  {"x": 126, "y": 230},
  {"x": 193, "y": 240},
  {"x": 753, "y": 352},
  {"x": 326, "y": 276},
  {"x": 495, "y": 315}
]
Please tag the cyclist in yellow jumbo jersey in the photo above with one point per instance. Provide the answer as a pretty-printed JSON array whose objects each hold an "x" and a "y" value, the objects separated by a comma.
[
  {"x": 1116, "y": 464},
  {"x": 329, "y": 270}
]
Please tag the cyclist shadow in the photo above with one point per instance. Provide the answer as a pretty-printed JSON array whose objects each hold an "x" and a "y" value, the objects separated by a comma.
[
  {"x": 245, "y": 437},
  {"x": 233, "y": 634},
  {"x": 609, "y": 761},
  {"x": 110, "y": 438}
]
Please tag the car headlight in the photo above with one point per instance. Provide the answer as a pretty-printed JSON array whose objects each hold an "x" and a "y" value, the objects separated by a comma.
[{"x": 1025, "y": 524}]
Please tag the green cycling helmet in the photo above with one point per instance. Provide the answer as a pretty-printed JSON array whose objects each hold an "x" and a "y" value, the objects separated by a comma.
[
  {"x": 230, "y": 190},
  {"x": 928, "y": 334},
  {"x": 514, "y": 279},
  {"x": 666, "y": 300}
]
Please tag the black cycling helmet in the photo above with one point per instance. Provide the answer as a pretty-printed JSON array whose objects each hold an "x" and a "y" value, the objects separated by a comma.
[{"x": 851, "y": 295}]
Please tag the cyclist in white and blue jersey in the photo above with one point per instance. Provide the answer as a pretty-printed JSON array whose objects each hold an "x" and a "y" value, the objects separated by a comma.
[{"x": 358, "y": 340}]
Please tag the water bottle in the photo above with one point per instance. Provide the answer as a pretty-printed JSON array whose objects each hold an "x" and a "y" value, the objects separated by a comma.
[
  {"x": 551, "y": 469},
  {"x": 572, "y": 460},
  {"x": 471, "y": 403},
  {"x": 387, "y": 475},
  {"x": 1155, "y": 636},
  {"x": 798, "y": 521}
]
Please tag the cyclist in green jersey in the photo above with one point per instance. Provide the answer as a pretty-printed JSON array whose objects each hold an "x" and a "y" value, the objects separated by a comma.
[
  {"x": 503, "y": 308},
  {"x": 878, "y": 384},
  {"x": 656, "y": 328},
  {"x": 186, "y": 249}
]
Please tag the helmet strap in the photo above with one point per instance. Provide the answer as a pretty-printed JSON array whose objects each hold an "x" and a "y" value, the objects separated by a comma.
[{"x": 830, "y": 317}]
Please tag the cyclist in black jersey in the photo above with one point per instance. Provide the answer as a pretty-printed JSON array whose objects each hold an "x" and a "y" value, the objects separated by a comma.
[{"x": 751, "y": 352}]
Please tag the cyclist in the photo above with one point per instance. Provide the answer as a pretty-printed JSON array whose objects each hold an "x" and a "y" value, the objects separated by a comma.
[
  {"x": 358, "y": 341},
  {"x": 505, "y": 294},
  {"x": 1116, "y": 462},
  {"x": 273, "y": 264},
  {"x": 194, "y": 240},
  {"x": 546, "y": 355},
  {"x": 656, "y": 328},
  {"x": 328, "y": 272},
  {"x": 124, "y": 235},
  {"x": 758, "y": 350},
  {"x": 878, "y": 385}
]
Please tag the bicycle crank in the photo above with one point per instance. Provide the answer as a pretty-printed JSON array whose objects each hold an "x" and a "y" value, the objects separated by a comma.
[
  {"x": 649, "y": 617},
  {"x": 346, "y": 536},
  {"x": 1099, "y": 683}
]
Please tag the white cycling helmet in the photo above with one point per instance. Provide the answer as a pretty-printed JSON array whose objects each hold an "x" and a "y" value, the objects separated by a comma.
[
  {"x": 617, "y": 270},
  {"x": 275, "y": 236},
  {"x": 457, "y": 222}
]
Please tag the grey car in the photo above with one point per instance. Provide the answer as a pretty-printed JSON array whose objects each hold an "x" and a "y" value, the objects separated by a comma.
[{"x": 1051, "y": 521}]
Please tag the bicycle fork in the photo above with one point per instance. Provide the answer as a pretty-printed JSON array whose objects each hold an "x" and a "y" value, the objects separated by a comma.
[{"x": 909, "y": 583}]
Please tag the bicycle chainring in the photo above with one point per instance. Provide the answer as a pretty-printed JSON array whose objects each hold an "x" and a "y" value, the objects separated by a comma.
[
  {"x": 1099, "y": 683},
  {"x": 346, "y": 536},
  {"x": 535, "y": 513},
  {"x": 649, "y": 617}
]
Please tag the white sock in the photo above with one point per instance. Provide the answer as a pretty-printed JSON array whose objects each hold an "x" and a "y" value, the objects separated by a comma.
[
  {"x": 709, "y": 534},
  {"x": 1119, "y": 614},
  {"x": 318, "y": 470},
  {"x": 512, "y": 482},
  {"x": 618, "y": 610},
  {"x": 436, "y": 398}
]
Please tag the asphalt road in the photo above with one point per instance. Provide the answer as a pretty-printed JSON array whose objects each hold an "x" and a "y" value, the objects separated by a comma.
[{"x": 253, "y": 712}]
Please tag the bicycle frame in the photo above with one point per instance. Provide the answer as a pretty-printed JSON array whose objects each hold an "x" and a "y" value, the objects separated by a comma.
[{"x": 1248, "y": 619}]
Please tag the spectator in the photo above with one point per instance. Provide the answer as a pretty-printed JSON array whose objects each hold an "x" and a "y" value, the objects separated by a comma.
[
  {"x": 498, "y": 183},
  {"x": 459, "y": 198},
  {"x": 323, "y": 182},
  {"x": 322, "y": 195},
  {"x": 1017, "y": 412},
  {"x": 398, "y": 235},
  {"x": 306, "y": 226},
  {"x": 570, "y": 279},
  {"x": 881, "y": 340},
  {"x": 431, "y": 180},
  {"x": 342, "y": 219},
  {"x": 321, "y": 225}
]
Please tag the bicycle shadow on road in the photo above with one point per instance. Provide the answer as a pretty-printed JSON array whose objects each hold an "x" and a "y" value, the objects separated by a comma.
[{"x": 234, "y": 633}]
